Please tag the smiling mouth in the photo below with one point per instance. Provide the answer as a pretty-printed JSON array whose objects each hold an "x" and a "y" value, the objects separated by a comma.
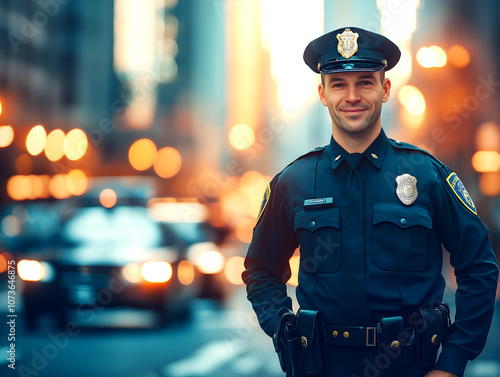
[{"x": 355, "y": 110}]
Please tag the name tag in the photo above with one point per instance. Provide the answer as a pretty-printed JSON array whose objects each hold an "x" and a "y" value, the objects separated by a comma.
[{"x": 318, "y": 203}]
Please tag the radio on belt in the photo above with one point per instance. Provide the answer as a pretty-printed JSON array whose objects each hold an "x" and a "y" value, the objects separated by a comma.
[{"x": 318, "y": 203}]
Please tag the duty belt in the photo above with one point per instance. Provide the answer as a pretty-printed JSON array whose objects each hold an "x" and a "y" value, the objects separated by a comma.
[{"x": 348, "y": 336}]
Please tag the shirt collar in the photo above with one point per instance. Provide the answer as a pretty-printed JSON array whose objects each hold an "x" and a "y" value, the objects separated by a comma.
[{"x": 375, "y": 152}]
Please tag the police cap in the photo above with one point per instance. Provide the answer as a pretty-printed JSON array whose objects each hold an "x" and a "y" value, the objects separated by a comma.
[{"x": 350, "y": 50}]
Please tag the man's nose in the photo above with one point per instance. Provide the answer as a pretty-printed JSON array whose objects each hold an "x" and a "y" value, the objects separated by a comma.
[{"x": 352, "y": 94}]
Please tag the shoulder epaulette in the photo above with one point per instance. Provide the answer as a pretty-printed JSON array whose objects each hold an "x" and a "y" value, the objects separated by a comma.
[
  {"x": 403, "y": 145},
  {"x": 315, "y": 150}
]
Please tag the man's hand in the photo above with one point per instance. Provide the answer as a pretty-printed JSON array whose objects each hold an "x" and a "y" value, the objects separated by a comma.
[{"x": 439, "y": 373}]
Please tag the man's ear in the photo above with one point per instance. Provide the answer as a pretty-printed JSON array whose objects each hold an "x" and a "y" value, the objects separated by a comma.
[
  {"x": 321, "y": 92},
  {"x": 386, "y": 87}
]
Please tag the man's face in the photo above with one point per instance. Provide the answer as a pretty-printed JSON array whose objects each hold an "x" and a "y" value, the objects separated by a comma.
[{"x": 354, "y": 99}]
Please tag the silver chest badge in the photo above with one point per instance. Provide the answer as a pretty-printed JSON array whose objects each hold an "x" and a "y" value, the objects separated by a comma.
[{"x": 407, "y": 189}]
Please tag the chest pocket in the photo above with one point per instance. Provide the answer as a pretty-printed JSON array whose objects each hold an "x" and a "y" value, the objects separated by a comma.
[
  {"x": 400, "y": 235},
  {"x": 318, "y": 234}
]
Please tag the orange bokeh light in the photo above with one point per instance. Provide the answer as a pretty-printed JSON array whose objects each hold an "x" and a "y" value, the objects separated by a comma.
[
  {"x": 168, "y": 162},
  {"x": 142, "y": 154},
  {"x": 486, "y": 161},
  {"x": 77, "y": 182},
  {"x": 54, "y": 145},
  {"x": 6, "y": 136},
  {"x": 36, "y": 139},
  {"x": 58, "y": 187},
  {"x": 233, "y": 269},
  {"x": 458, "y": 56},
  {"x": 489, "y": 183},
  {"x": 75, "y": 144}
]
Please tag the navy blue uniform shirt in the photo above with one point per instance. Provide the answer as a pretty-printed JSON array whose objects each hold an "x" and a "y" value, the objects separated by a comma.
[{"x": 401, "y": 257}]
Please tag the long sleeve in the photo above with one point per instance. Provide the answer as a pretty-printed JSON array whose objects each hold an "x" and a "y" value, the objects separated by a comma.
[
  {"x": 465, "y": 237},
  {"x": 267, "y": 261}
]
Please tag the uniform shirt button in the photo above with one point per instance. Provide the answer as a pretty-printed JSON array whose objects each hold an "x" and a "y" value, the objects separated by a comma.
[
  {"x": 398, "y": 142},
  {"x": 403, "y": 221},
  {"x": 312, "y": 224}
]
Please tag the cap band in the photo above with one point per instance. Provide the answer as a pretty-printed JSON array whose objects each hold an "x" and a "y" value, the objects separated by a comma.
[{"x": 336, "y": 65}]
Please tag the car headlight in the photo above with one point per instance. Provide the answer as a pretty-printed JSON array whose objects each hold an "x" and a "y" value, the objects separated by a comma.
[
  {"x": 206, "y": 257},
  {"x": 153, "y": 272},
  {"x": 32, "y": 270}
]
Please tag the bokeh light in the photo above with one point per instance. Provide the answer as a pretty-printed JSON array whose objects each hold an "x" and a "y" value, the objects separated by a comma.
[
  {"x": 75, "y": 144},
  {"x": 77, "y": 182},
  {"x": 36, "y": 139},
  {"x": 142, "y": 154},
  {"x": 233, "y": 269},
  {"x": 412, "y": 99},
  {"x": 489, "y": 183},
  {"x": 6, "y": 136},
  {"x": 168, "y": 162},
  {"x": 185, "y": 272},
  {"x": 30, "y": 270},
  {"x": 241, "y": 137},
  {"x": 488, "y": 137},
  {"x": 58, "y": 186},
  {"x": 459, "y": 56},
  {"x": 54, "y": 145},
  {"x": 441, "y": 57},
  {"x": 244, "y": 230},
  {"x": 108, "y": 198},
  {"x": 426, "y": 57},
  {"x": 430, "y": 57},
  {"x": 156, "y": 272},
  {"x": 24, "y": 164},
  {"x": 486, "y": 161}
]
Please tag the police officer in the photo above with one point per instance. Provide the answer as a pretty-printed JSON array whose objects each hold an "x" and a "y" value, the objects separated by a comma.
[{"x": 371, "y": 215}]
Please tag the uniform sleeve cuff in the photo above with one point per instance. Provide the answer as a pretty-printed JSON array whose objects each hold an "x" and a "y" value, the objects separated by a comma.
[{"x": 453, "y": 360}]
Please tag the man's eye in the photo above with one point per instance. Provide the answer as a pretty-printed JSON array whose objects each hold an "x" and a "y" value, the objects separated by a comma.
[{"x": 366, "y": 82}]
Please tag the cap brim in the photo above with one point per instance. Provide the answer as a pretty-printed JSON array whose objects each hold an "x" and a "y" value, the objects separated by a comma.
[{"x": 352, "y": 66}]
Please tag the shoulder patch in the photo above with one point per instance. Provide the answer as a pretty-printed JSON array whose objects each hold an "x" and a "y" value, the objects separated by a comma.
[
  {"x": 265, "y": 199},
  {"x": 461, "y": 192}
]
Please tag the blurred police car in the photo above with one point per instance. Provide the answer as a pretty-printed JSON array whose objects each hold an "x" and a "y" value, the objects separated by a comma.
[
  {"x": 95, "y": 258},
  {"x": 187, "y": 220}
]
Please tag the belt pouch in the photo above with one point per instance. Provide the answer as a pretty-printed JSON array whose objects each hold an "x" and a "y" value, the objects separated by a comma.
[
  {"x": 430, "y": 326},
  {"x": 286, "y": 344},
  {"x": 393, "y": 341},
  {"x": 313, "y": 341}
]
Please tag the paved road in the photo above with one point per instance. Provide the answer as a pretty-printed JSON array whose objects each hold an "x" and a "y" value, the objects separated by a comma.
[{"x": 223, "y": 342}]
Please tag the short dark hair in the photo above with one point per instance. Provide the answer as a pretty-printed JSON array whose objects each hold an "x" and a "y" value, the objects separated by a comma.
[{"x": 382, "y": 77}]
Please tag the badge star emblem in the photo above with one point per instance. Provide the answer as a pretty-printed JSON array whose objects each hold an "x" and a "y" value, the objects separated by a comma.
[
  {"x": 348, "y": 43},
  {"x": 407, "y": 189}
]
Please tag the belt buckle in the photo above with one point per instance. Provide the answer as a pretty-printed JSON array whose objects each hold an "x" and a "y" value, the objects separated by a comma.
[{"x": 374, "y": 342}]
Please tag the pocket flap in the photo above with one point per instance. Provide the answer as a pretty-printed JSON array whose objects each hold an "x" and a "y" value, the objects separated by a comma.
[
  {"x": 401, "y": 215},
  {"x": 309, "y": 322},
  {"x": 316, "y": 219}
]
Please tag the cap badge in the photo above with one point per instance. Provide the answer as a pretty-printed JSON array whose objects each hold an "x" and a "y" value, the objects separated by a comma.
[
  {"x": 407, "y": 189},
  {"x": 348, "y": 43}
]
